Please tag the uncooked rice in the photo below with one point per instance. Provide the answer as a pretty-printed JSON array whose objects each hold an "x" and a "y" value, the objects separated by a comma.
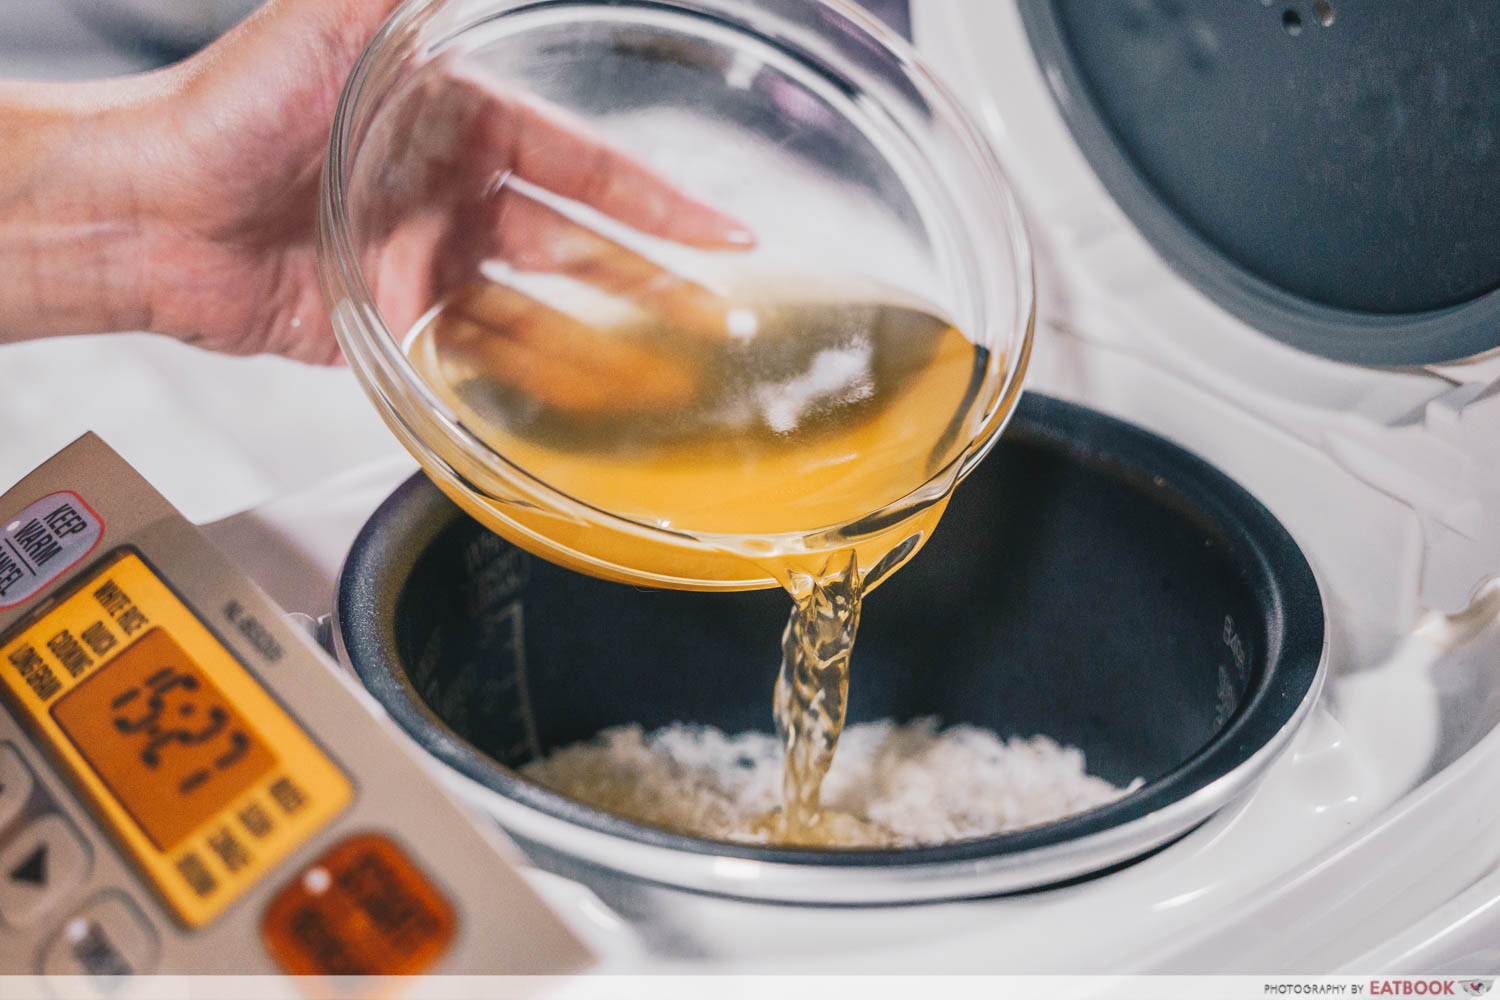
[{"x": 922, "y": 784}]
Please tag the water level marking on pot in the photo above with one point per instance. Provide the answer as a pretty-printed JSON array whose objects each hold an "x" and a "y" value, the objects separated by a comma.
[{"x": 515, "y": 683}]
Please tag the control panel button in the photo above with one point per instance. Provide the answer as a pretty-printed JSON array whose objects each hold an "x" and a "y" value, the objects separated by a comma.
[
  {"x": 39, "y": 866},
  {"x": 107, "y": 938},
  {"x": 16, "y": 783},
  {"x": 363, "y": 909}
]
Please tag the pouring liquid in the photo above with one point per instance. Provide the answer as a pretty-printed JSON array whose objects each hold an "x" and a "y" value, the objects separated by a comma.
[
  {"x": 788, "y": 420},
  {"x": 811, "y": 701}
]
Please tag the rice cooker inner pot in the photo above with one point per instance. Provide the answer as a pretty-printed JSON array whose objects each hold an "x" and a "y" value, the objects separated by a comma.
[{"x": 1090, "y": 582}]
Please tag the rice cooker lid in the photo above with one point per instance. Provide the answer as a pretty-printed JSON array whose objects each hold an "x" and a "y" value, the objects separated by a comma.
[{"x": 1326, "y": 171}]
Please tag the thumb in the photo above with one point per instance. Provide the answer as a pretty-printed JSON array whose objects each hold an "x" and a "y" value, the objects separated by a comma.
[{"x": 355, "y": 21}]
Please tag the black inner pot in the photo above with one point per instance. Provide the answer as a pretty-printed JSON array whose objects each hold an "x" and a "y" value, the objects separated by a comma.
[{"x": 1090, "y": 582}]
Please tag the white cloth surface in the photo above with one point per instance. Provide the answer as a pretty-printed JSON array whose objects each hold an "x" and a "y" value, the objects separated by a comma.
[{"x": 214, "y": 434}]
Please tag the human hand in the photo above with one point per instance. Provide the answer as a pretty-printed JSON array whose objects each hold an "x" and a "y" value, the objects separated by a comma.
[
  {"x": 227, "y": 196},
  {"x": 185, "y": 201}
]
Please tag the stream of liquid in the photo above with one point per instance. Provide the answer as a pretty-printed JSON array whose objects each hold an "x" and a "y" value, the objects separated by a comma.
[
  {"x": 788, "y": 418},
  {"x": 811, "y": 702}
]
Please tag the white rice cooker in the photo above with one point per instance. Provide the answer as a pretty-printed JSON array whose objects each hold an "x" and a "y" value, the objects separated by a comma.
[{"x": 1264, "y": 233}]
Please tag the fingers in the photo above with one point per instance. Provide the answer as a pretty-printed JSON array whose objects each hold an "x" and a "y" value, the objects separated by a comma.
[
  {"x": 547, "y": 147},
  {"x": 563, "y": 157},
  {"x": 406, "y": 271},
  {"x": 535, "y": 237},
  {"x": 555, "y": 359}
]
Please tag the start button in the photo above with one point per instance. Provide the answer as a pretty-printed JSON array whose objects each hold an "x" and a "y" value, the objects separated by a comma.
[{"x": 363, "y": 909}]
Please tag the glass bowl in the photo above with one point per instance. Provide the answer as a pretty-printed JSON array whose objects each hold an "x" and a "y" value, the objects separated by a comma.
[{"x": 685, "y": 157}]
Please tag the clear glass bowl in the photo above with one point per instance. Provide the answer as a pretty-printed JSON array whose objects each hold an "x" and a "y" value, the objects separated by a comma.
[{"x": 831, "y": 159}]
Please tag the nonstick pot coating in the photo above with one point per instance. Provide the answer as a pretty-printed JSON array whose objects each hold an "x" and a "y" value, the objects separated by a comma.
[{"x": 1090, "y": 582}]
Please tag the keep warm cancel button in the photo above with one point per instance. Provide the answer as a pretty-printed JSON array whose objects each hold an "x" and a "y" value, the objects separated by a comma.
[{"x": 363, "y": 909}]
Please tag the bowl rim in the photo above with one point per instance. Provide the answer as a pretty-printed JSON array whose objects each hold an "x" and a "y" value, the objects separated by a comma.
[
  {"x": 1285, "y": 682},
  {"x": 380, "y": 365}
]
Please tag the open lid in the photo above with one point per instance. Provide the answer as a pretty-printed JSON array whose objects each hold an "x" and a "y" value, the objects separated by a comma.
[{"x": 1324, "y": 171}]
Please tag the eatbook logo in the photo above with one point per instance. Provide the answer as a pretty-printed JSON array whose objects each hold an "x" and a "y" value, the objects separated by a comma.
[{"x": 1477, "y": 987}]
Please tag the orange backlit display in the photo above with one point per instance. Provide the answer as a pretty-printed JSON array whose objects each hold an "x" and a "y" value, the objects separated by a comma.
[{"x": 164, "y": 739}]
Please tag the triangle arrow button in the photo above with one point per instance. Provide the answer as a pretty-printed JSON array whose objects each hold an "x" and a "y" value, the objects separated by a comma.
[
  {"x": 42, "y": 863},
  {"x": 33, "y": 869}
]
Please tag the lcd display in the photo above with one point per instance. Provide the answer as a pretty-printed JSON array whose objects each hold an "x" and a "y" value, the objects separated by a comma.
[{"x": 163, "y": 738}]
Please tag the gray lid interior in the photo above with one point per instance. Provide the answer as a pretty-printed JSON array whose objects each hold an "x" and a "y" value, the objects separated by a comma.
[{"x": 1329, "y": 172}]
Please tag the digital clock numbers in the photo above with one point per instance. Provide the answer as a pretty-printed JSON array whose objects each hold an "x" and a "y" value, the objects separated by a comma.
[{"x": 164, "y": 739}]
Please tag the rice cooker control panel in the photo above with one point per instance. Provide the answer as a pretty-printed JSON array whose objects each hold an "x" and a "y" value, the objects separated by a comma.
[{"x": 189, "y": 785}]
